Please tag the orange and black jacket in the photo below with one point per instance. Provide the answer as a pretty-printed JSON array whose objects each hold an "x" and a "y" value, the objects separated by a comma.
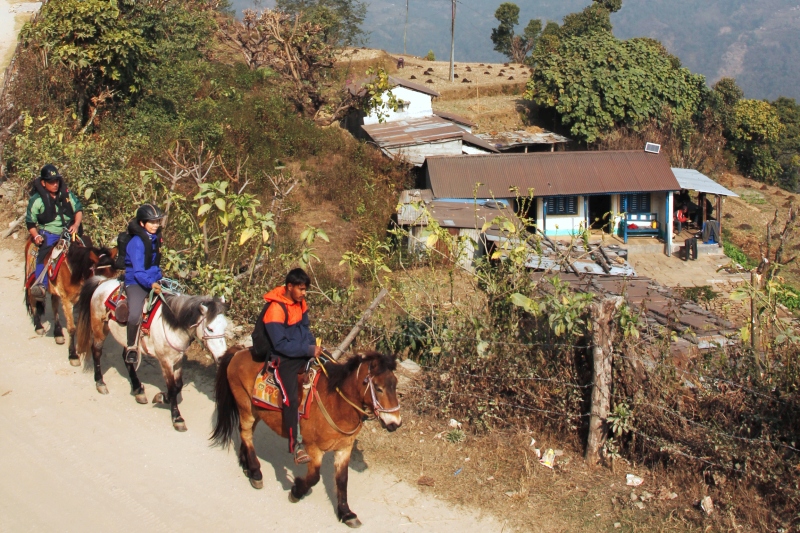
[{"x": 290, "y": 335}]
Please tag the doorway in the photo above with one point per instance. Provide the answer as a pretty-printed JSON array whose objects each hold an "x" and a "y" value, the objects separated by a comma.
[{"x": 600, "y": 212}]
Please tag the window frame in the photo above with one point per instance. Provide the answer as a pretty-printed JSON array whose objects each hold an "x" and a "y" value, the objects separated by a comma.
[
  {"x": 638, "y": 211},
  {"x": 552, "y": 209}
]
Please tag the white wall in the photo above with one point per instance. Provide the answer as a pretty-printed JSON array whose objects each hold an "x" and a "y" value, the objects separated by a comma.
[
  {"x": 561, "y": 225},
  {"x": 419, "y": 105},
  {"x": 416, "y": 154}
]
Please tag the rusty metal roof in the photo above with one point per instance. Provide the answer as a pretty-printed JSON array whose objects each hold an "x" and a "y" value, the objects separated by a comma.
[
  {"x": 411, "y": 132},
  {"x": 477, "y": 141},
  {"x": 506, "y": 140},
  {"x": 452, "y": 117},
  {"x": 549, "y": 174}
]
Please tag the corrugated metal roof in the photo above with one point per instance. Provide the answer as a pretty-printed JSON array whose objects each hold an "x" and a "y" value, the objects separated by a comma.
[
  {"x": 512, "y": 139},
  {"x": 414, "y": 131},
  {"x": 452, "y": 117},
  {"x": 550, "y": 174},
  {"x": 477, "y": 141},
  {"x": 695, "y": 181},
  {"x": 357, "y": 88}
]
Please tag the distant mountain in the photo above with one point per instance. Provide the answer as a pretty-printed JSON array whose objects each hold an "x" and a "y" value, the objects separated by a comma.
[{"x": 755, "y": 41}]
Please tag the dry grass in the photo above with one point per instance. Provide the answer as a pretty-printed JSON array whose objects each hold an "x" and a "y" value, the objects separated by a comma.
[{"x": 499, "y": 474}]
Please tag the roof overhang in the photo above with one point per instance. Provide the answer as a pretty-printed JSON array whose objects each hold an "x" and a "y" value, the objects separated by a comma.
[{"x": 695, "y": 181}]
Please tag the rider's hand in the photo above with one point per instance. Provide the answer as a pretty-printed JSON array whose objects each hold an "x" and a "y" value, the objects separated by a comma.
[
  {"x": 317, "y": 351},
  {"x": 38, "y": 239},
  {"x": 156, "y": 288},
  {"x": 73, "y": 229}
]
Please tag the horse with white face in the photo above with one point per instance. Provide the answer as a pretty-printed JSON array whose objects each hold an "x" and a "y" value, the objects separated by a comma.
[{"x": 177, "y": 322}]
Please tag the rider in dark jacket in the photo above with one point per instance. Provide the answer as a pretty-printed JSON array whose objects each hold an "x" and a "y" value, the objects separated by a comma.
[
  {"x": 293, "y": 344},
  {"x": 142, "y": 270}
]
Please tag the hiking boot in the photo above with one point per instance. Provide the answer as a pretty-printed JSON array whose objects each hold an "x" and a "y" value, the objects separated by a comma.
[
  {"x": 131, "y": 356},
  {"x": 38, "y": 292},
  {"x": 300, "y": 455}
]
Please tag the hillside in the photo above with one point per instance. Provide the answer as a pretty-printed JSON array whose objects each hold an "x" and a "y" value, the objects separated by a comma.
[{"x": 756, "y": 42}]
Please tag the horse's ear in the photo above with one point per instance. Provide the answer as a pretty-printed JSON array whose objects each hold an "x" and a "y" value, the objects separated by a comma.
[
  {"x": 203, "y": 309},
  {"x": 93, "y": 257},
  {"x": 113, "y": 253}
]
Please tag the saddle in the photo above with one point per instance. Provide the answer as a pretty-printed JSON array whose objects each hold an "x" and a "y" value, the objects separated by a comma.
[
  {"x": 118, "y": 296},
  {"x": 267, "y": 389}
]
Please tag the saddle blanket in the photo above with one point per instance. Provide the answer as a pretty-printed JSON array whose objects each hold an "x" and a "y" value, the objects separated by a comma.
[
  {"x": 55, "y": 265},
  {"x": 267, "y": 391},
  {"x": 147, "y": 316}
]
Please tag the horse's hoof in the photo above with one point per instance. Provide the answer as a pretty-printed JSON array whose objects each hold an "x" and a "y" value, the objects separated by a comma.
[
  {"x": 40, "y": 331},
  {"x": 257, "y": 483},
  {"x": 60, "y": 339},
  {"x": 353, "y": 522},
  {"x": 141, "y": 398},
  {"x": 101, "y": 388},
  {"x": 159, "y": 398},
  {"x": 75, "y": 361},
  {"x": 295, "y": 499},
  {"x": 179, "y": 425}
]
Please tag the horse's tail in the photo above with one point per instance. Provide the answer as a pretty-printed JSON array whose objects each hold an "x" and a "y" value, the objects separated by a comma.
[
  {"x": 227, "y": 412},
  {"x": 84, "y": 323}
]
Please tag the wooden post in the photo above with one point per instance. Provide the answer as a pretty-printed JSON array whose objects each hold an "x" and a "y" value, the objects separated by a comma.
[
  {"x": 602, "y": 318},
  {"x": 359, "y": 325},
  {"x": 719, "y": 218},
  {"x": 13, "y": 226}
]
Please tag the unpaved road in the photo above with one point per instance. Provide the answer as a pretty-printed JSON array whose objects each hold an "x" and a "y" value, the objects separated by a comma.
[{"x": 73, "y": 460}]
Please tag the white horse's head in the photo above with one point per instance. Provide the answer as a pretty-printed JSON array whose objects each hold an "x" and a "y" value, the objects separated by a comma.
[{"x": 212, "y": 332}]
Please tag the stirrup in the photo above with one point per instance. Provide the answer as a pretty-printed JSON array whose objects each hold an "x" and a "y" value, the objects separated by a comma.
[
  {"x": 131, "y": 355},
  {"x": 301, "y": 457}
]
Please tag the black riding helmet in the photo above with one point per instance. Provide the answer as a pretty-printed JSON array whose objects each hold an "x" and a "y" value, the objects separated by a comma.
[
  {"x": 148, "y": 212},
  {"x": 49, "y": 173}
]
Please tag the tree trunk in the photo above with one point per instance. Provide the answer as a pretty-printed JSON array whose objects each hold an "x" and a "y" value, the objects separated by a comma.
[{"x": 603, "y": 328}]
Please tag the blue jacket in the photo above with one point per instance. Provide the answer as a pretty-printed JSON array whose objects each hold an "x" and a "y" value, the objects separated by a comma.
[{"x": 135, "y": 272}]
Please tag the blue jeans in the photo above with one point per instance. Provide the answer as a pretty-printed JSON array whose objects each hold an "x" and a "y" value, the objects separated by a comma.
[{"x": 50, "y": 240}]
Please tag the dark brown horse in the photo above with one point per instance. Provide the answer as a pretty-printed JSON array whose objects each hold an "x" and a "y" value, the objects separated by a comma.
[
  {"x": 367, "y": 384},
  {"x": 81, "y": 263}
]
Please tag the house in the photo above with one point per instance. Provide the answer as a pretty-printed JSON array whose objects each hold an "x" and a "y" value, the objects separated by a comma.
[
  {"x": 416, "y": 101},
  {"x": 464, "y": 220},
  {"x": 562, "y": 193},
  {"x": 415, "y": 139}
]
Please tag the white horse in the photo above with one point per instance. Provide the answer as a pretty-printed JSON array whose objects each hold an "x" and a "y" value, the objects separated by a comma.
[{"x": 177, "y": 322}]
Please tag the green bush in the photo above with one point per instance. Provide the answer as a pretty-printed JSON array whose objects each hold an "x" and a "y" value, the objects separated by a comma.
[{"x": 430, "y": 56}]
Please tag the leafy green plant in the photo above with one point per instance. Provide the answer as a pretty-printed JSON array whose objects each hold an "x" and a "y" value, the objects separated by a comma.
[
  {"x": 621, "y": 420},
  {"x": 430, "y": 56},
  {"x": 454, "y": 436}
]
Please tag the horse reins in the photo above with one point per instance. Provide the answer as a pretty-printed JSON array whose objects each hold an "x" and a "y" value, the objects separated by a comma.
[{"x": 377, "y": 408}]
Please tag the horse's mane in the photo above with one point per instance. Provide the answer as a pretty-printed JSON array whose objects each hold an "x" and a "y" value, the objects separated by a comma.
[
  {"x": 337, "y": 373},
  {"x": 80, "y": 262},
  {"x": 183, "y": 312}
]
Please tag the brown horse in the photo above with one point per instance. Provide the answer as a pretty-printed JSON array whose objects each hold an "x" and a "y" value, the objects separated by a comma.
[
  {"x": 81, "y": 263},
  {"x": 362, "y": 384}
]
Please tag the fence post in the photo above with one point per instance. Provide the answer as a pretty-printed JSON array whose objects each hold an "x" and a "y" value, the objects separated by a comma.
[{"x": 602, "y": 319}]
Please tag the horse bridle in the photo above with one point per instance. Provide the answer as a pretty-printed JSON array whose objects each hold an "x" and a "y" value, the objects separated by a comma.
[{"x": 377, "y": 408}]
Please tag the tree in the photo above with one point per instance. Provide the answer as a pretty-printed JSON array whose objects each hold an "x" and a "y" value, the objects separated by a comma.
[
  {"x": 787, "y": 149},
  {"x": 515, "y": 47},
  {"x": 341, "y": 20},
  {"x": 598, "y": 82},
  {"x": 757, "y": 128},
  {"x": 101, "y": 47},
  {"x": 595, "y": 17}
]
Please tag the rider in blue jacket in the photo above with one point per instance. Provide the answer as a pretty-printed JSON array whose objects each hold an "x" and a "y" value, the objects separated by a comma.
[{"x": 142, "y": 270}]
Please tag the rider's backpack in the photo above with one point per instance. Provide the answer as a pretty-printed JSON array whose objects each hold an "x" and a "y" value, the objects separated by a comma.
[
  {"x": 122, "y": 243},
  {"x": 262, "y": 348}
]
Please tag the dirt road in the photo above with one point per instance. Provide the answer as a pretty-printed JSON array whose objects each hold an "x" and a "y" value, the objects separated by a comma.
[{"x": 73, "y": 460}]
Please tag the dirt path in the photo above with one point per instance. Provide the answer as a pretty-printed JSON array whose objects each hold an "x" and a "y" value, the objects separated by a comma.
[{"x": 73, "y": 460}]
